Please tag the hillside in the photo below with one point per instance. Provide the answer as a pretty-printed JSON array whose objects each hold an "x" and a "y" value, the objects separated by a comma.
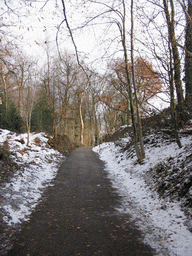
[
  {"x": 25, "y": 171},
  {"x": 158, "y": 193},
  {"x": 171, "y": 169}
]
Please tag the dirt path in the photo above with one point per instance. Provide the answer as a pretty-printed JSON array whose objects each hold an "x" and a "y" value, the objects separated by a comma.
[{"x": 77, "y": 215}]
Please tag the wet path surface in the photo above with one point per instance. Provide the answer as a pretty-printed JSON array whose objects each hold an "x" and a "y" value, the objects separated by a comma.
[{"x": 77, "y": 215}]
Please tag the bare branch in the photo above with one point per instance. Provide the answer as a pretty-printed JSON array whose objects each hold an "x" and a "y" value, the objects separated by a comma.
[
  {"x": 72, "y": 38},
  {"x": 57, "y": 35},
  {"x": 44, "y": 4},
  {"x": 185, "y": 10},
  {"x": 185, "y": 49}
]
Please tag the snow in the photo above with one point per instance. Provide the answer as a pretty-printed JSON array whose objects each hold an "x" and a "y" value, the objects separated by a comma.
[
  {"x": 162, "y": 221},
  {"x": 39, "y": 165}
]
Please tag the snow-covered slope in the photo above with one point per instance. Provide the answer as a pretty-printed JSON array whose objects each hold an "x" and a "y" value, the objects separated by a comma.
[
  {"x": 161, "y": 218},
  {"x": 38, "y": 165}
]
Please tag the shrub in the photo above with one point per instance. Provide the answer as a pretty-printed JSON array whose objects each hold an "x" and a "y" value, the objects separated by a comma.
[{"x": 10, "y": 118}]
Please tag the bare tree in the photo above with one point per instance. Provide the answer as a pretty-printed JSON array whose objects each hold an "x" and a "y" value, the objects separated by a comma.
[
  {"x": 87, "y": 74},
  {"x": 170, "y": 17},
  {"x": 30, "y": 99},
  {"x": 188, "y": 56},
  {"x": 3, "y": 76},
  {"x": 65, "y": 79},
  {"x": 47, "y": 84},
  {"x": 164, "y": 49},
  {"x": 173, "y": 104},
  {"x": 141, "y": 151},
  {"x": 117, "y": 18}
]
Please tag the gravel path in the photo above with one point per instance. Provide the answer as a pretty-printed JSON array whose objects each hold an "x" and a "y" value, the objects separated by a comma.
[{"x": 77, "y": 215}]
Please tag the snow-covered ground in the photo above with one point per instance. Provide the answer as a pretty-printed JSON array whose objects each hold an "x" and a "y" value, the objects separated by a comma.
[
  {"x": 38, "y": 164},
  {"x": 162, "y": 221}
]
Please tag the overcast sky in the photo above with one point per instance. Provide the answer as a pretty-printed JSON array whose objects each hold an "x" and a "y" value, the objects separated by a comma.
[
  {"x": 33, "y": 25},
  {"x": 97, "y": 44}
]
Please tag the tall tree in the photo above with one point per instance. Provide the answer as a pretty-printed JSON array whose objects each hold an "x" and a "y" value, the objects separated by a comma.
[
  {"x": 114, "y": 15},
  {"x": 170, "y": 18},
  {"x": 29, "y": 103},
  {"x": 174, "y": 117},
  {"x": 188, "y": 56},
  {"x": 65, "y": 79},
  {"x": 147, "y": 81},
  {"x": 41, "y": 119},
  {"x": 49, "y": 87},
  {"x": 86, "y": 72}
]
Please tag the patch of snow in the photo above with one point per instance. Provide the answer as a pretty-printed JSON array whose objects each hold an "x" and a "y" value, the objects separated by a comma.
[
  {"x": 161, "y": 220},
  {"x": 3, "y": 135},
  {"x": 39, "y": 165}
]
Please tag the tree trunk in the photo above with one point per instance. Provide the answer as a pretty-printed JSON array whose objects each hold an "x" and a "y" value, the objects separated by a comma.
[
  {"x": 173, "y": 110},
  {"x": 176, "y": 59},
  {"x": 51, "y": 107},
  {"x": 140, "y": 136},
  {"x": 80, "y": 113},
  {"x": 123, "y": 40},
  {"x": 82, "y": 122},
  {"x": 28, "y": 129},
  {"x": 20, "y": 85},
  {"x": 5, "y": 89},
  {"x": 188, "y": 58},
  {"x": 95, "y": 122},
  {"x": 29, "y": 108}
]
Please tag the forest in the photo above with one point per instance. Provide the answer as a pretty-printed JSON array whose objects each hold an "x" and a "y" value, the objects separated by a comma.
[{"x": 143, "y": 56}]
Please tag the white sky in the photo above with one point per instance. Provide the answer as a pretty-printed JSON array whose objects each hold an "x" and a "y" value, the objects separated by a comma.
[{"x": 34, "y": 25}]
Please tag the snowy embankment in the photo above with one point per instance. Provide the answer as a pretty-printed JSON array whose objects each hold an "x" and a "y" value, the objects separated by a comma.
[
  {"x": 164, "y": 224},
  {"x": 38, "y": 165}
]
